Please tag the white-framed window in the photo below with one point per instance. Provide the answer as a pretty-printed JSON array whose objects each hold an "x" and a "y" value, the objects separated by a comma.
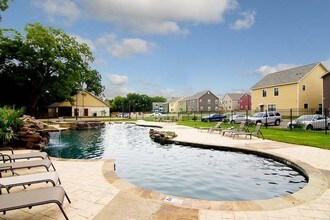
[
  {"x": 209, "y": 108},
  {"x": 209, "y": 101},
  {"x": 200, "y": 100},
  {"x": 201, "y": 108},
  {"x": 216, "y": 101},
  {"x": 216, "y": 109},
  {"x": 272, "y": 107},
  {"x": 276, "y": 92}
]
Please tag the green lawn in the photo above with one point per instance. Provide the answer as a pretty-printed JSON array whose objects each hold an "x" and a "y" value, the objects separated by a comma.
[{"x": 302, "y": 137}]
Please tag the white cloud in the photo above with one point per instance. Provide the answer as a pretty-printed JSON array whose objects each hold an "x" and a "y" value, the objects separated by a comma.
[
  {"x": 86, "y": 41},
  {"x": 264, "y": 70},
  {"x": 65, "y": 9},
  {"x": 126, "y": 47},
  {"x": 246, "y": 22},
  {"x": 117, "y": 79},
  {"x": 129, "y": 46},
  {"x": 326, "y": 63},
  {"x": 158, "y": 17},
  {"x": 113, "y": 91}
]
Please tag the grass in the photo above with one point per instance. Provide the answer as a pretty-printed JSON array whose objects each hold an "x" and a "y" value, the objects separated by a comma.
[{"x": 301, "y": 137}]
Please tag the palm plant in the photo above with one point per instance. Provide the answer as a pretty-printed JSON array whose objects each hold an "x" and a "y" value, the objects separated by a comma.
[{"x": 9, "y": 123}]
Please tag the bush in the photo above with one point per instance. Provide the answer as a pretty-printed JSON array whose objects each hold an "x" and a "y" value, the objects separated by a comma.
[{"x": 9, "y": 123}]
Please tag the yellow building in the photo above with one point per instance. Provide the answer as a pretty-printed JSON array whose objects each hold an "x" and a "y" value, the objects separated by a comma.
[
  {"x": 173, "y": 104},
  {"x": 85, "y": 104},
  {"x": 298, "y": 88}
]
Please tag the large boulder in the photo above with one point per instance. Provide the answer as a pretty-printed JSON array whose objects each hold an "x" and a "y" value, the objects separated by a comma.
[{"x": 32, "y": 134}]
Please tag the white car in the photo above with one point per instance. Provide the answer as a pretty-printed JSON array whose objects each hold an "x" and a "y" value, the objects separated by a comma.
[
  {"x": 156, "y": 114},
  {"x": 266, "y": 117},
  {"x": 310, "y": 122},
  {"x": 236, "y": 119}
]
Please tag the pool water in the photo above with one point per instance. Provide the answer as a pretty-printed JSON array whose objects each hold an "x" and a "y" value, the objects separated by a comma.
[{"x": 180, "y": 170}]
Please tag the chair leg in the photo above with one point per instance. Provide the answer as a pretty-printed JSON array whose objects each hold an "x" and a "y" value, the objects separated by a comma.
[
  {"x": 67, "y": 197},
  {"x": 53, "y": 166},
  {"x": 62, "y": 210}
]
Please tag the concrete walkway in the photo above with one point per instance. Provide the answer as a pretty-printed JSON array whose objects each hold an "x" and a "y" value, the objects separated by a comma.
[{"x": 98, "y": 193}]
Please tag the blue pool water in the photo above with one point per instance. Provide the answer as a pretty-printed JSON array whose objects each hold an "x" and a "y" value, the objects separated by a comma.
[{"x": 180, "y": 170}]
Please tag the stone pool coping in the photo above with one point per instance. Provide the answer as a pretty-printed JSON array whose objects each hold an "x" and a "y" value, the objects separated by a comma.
[{"x": 316, "y": 186}]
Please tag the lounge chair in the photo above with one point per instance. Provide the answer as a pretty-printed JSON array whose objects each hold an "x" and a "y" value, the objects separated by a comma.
[
  {"x": 22, "y": 180},
  {"x": 28, "y": 199},
  {"x": 216, "y": 127},
  {"x": 255, "y": 132},
  {"x": 232, "y": 131},
  {"x": 210, "y": 128},
  {"x": 25, "y": 164},
  {"x": 12, "y": 157}
]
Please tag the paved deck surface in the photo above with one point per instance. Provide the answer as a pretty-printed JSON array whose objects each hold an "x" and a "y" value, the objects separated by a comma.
[{"x": 97, "y": 193}]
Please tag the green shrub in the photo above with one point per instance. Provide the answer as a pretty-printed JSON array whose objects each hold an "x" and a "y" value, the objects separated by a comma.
[{"x": 9, "y": 123}]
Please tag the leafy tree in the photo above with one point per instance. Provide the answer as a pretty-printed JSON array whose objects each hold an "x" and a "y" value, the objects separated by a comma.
[
  {"x": 3, "y": 6},
  {"x": 44, "y": 66}
]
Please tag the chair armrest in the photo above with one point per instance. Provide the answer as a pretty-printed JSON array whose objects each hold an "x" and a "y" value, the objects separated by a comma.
[
  {"x": 5, "y": 168},
  {"x": 3, "y": 157},
  {"x": 8, "y": 148}
]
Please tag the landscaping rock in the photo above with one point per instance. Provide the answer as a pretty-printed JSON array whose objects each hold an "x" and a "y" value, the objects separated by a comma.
[{"x": 31, "y": 134}]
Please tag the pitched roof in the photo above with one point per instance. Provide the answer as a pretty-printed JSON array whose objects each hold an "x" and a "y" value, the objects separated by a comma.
[
  {"x": 174, "y": 99},
  {"x": 326, "y": 74},
  {"x": 56, "y": 104},
  {"x": 285, "y": 76},
  {"x": 198, "y": 95},
  {"x": 235, "y": 96}
]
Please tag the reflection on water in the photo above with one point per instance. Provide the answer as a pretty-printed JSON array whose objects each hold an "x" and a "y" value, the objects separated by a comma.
[{"x": 181, "y": 170}]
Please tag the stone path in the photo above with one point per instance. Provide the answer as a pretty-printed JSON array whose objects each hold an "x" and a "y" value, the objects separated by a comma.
[{"x": 97, "y": 193}]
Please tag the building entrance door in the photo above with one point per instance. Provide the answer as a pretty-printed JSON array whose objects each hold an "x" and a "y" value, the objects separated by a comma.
[
  {"x": 262, "y": 108},
  {"x": 86, "y": 112}
]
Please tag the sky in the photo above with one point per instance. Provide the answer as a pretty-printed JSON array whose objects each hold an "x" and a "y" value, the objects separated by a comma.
[{"x": 179, "y": 47}]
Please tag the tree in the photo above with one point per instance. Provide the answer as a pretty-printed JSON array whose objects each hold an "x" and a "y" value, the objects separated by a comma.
[
  {"x": 44, "y": 66},
  {"x": 3, "y": 6}
]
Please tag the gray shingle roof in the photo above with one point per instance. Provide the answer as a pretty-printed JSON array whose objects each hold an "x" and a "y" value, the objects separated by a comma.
[
  {"x": 198, "y": 95},
  {"x": 235, "y": 96},
  {"x": 284, "y": 77}
]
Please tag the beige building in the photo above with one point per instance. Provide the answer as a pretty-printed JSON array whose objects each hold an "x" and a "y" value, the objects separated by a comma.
[
  {"x": 231, "y": 101},
  {"x": 298, "y": 88},
  {"x": 85, "y": 104},
  {"x": 173, "y": 104}
]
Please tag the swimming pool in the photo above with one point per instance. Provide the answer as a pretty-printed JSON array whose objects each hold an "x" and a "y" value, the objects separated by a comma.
[{"x": 181, "y": 170}]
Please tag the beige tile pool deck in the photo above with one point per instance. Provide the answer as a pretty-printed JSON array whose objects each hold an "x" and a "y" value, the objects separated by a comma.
[{"x": 97, "y": 193}]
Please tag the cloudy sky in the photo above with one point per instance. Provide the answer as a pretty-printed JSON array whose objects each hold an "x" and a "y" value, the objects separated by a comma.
[{"x": 179, "y": 47}]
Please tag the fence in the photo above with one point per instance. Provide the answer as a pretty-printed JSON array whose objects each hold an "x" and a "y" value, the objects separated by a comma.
[{"x": 315, "y": 120}]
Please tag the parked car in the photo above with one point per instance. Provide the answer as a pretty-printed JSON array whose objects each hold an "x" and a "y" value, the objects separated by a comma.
[
  {"x": 266, "y": 117},
  {"x": 236, "y": 119},
  {"x": 310, "y": 122},
  {"x": 156, "y": 114},
  {"x": 122, "y": 115},
  {"x": 214, "y": 117}
]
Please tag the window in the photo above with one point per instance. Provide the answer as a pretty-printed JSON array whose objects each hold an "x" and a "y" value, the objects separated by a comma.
[
  {"x": 275, "y": 91},
  {"x": 216, "y": 109},
  {"x": 306, "y": 106},
  {"x": 209, "y": 108},
  {"x": 200, "y": 100},
  {"x": 208, "y": 101},
  {"x": 216, "y": 101},
  {"x": 264, "y": 93},
  {"x": 201, "y": 108},
  {"x": 303, "y": 87},
  {"x": 272, "y": 107}
]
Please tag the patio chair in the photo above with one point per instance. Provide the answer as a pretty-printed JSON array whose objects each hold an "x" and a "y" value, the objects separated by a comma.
[
  {"x": 28, "y": 199},
  {"x": 255, "y": 132},
  {"x": 208, "y": 129},
  {"x": 232, "y": 131},
  {"x": 22, "y": 180},
  {"x": 12, "y": 157},
  {"x": 25, "y": 164},
  {"x": 216, "y": 127}
]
